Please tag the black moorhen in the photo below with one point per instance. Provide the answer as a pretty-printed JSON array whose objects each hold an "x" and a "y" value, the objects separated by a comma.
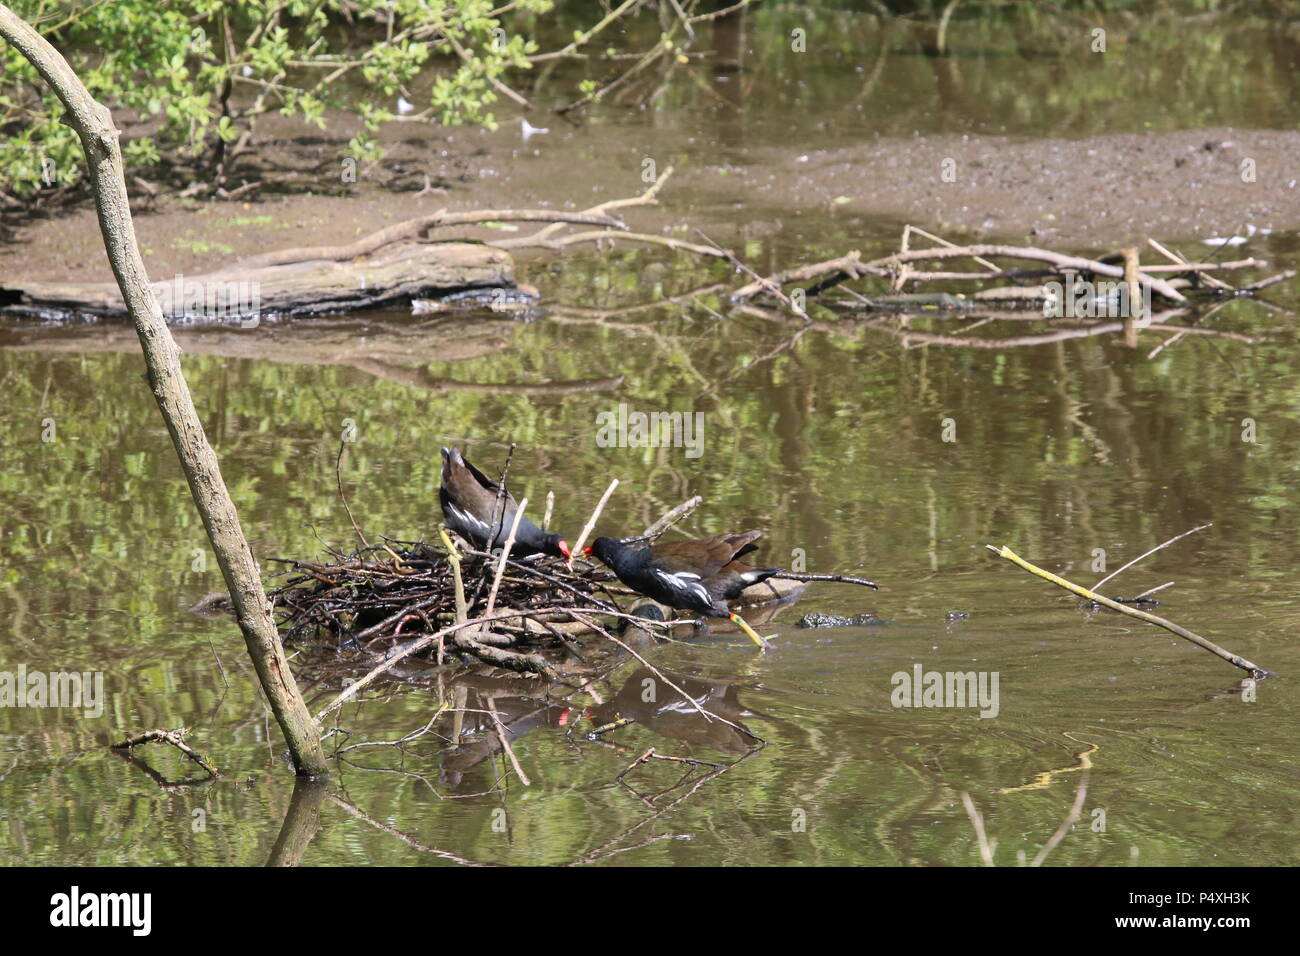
[
  {"x": 699, "y": 575},
  {"x": 469, "y": 500}
]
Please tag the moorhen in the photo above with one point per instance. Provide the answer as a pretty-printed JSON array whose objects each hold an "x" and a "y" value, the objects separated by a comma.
[
  {"x": 699, "y": 575},
  {"x": 469, "y": 500}
]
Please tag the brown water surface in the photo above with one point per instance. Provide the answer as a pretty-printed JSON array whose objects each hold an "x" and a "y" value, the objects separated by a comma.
[{"x": 1071, "y": 450}]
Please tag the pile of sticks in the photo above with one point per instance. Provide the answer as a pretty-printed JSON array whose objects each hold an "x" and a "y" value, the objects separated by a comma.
[
  {"x": 393, "y": 600},
  {"x": 1021, "y": 287}
]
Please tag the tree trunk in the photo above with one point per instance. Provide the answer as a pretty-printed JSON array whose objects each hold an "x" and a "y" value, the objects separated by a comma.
[{"x": 94, "y": 124}]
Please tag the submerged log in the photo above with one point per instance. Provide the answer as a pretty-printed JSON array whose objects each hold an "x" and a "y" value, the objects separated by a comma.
[{"x": 393, "y": 274}]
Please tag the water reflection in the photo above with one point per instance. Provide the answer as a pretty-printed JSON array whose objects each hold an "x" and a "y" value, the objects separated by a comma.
[{"x": 828, "y": 435}]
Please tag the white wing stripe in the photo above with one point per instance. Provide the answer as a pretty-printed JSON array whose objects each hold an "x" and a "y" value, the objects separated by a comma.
[{"x": 685, "y": 582}]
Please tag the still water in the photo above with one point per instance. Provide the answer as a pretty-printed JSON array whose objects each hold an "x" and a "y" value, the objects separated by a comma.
[{"x": 831, "y": 439}]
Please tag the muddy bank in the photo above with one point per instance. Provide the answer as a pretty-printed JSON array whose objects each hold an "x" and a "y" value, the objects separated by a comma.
[{"x": 1072, "y": 195}]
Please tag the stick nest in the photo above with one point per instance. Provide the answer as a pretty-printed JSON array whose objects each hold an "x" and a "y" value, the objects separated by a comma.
[{"x": 399, "y": 592}]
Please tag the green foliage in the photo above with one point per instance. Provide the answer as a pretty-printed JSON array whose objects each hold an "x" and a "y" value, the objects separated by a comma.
[{"x": 200, "y": 72}]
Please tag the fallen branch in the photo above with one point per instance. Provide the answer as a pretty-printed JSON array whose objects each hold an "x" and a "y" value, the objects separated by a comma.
[
  {"x": 1236, "y": 660},
  {"x": 887, "y": 266},
  {"x": 175, "y": 738},
  {"x": 413, "y": 228},
  {"x": 599, "y": 234}
]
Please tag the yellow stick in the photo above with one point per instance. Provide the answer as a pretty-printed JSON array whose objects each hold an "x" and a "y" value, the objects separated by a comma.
[
  {"x": 1253, "y": 669},
  {"x": 462, "y": 612}
]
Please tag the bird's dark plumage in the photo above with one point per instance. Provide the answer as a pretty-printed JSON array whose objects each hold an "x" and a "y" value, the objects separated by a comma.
[
  {"x": 699, "y": 575},
  {"x": 469, "y": 501}
]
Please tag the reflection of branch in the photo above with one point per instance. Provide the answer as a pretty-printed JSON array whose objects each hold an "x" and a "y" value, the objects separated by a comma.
[
  {"x": 500, "y": 727},
  {"x": 766, "y": 357},
  {"x": 596, "y": 854},
  {"x": 910, "y": 336},
  {"x": 301, "y": 821},
  {"x": 672, "y": 517},
  {"x": 420, "y": 378},
  {"x": 986, "y": 847},
  {"x": 405, "y": 838},
  {"x": 977, "y": 823},
  {"x": 597, "y": 316},
  {"x": 171, "y": 786},
  {"x": 1044, "y": 777},
  {"x": 662, "y": 48},
  {"x": 527, "y": 388},
  {"x": 1080, "y": 795}
]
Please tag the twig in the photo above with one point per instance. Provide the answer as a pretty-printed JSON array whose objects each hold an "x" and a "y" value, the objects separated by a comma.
[
  {"x": 338, "y": 476},
  {"x": 414, "y": 227},
  {"x": 505, "y": 556},
  {"x": 848, "y": 265},
  {"x": 1198, "y": 268},
  {"x": 1151, "y": 552},
  {"x": 599, "y": 234},
  {"x": 453, "y": 556},
  {"x": 418, "y": 644},
  {"x": 1236, "y": 660},
  {"x": 586, "y": 35},
  {"x": 883, "y": 267},
  {"x": 652, "y": 755},
  {"x": 647, "y": 198},
  {"x": 950, "y": 245},
  {"x": 724, "y": 12},
  {"x": 174, "y": 737},
  {"x": 1154, "y": 590},
  {"x": 843, "y": 578},
  {"x": 1166, "y": 343},
  {"x": 767, "y": 284},
  {"x": 591, "y": 522},
  {"x": 1271, "y": 280},
  {"x": 670, "y": 518},
  {"x": 499, "y": 505}
]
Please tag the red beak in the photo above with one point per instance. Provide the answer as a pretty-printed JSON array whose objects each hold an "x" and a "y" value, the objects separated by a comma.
[{"x": 564, "y": 548}]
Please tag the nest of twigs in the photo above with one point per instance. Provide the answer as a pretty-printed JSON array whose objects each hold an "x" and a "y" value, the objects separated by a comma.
[{"x": 452, "y": 602}]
